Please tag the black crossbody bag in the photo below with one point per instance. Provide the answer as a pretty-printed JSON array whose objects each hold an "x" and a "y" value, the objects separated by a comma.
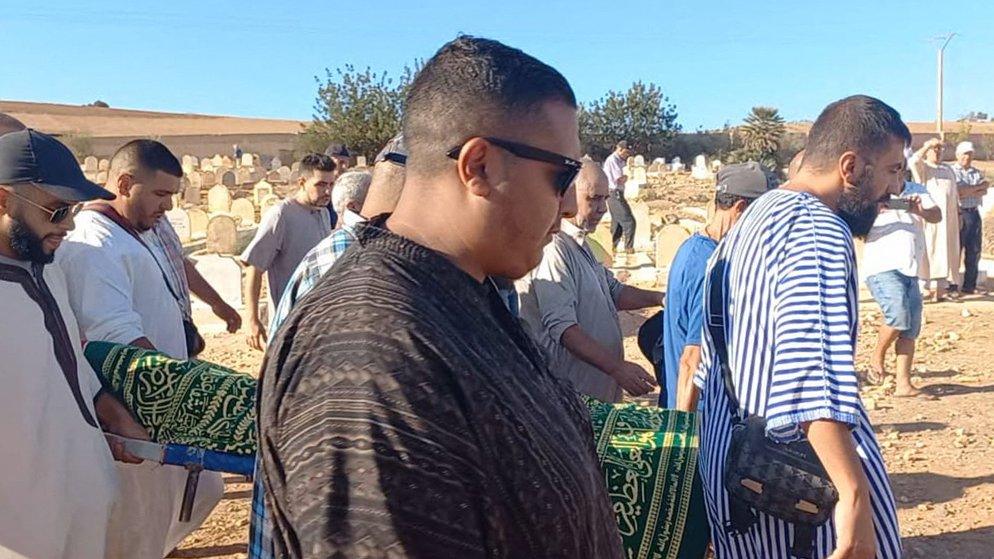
[
  {"x": 195, "y": 343},
  {"x": 784, "y": 480}
]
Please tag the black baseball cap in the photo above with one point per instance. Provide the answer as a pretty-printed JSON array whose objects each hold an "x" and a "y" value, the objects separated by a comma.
[
  {"x": 28, "y": 156},
  {"x": 395, "y": 151},
  {"x": 748, "y": 180}
]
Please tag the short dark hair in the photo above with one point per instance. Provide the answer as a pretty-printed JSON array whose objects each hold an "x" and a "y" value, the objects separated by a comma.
[
  {"x": 474, "y": 87},
  {"x": 859, "y": 123},
  {"x": 316, "y": 162},
  {"x": 146, "y": 155},
  {"x": 725, "y": 200}
]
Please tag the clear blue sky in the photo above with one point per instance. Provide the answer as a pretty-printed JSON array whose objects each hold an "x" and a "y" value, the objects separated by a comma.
[{"x": 714, "y": 59}]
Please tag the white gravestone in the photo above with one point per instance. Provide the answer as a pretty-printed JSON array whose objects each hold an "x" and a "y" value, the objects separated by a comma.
[
  {"x": 224, "y": 274},
  {"x": 219, "y": 199},
  {"x": 180, "y": 221},
  {"x": 260, "y": 191},
  {"x": 198, "y": 223},
  {"x": 243, "y": 209},
  {"x": 668, "y": 241},
  {"x": 643, "y": 233}
]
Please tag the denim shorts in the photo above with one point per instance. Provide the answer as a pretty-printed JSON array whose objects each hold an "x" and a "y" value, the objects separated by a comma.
[{"x": 900, "y": 299}]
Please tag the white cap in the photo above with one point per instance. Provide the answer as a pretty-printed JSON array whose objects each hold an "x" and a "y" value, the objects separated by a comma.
[{"x": 964, "y": 147}]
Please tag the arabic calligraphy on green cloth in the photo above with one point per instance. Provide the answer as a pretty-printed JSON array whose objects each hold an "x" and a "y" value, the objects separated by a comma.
[
  {"x": 193, "y": 402},
  {"x": 649, "y": 459}
]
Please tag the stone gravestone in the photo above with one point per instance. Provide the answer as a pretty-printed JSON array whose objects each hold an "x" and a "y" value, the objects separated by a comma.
[
  {"x": 227, "y": 162},
  {"x": 639, "y": 175},
  {"x": 189, "y": 168},
  {"x": 284, "y": 173},
  {"x": 180, "y": 221},
  {"x": 273, "y": 176},
  {"x": 639, "y": 161},
  {"x": 260, "y": 191},
  {"x": 219, "y": 199},
  {"x": 267, "y": 203},
  {"x": 295, "y": 166},
  {"x": 228, "y": 179},
  {"x": 677, "y": 165},
  {"x": 643, "y": 233},
  {"x": 224, "y": 274},
  {"x": 101, "y": 177},
  {"x": 217, "y": 161},
  {"x": 668, "y": 240},
  {"x": 103, "y": 165},
  {"x": 360, "y": 161},
  {"x": 198, "y": 223},
  {"x": 222, "y": 234},
  {"x": 193, "y": 195},
  {"x": 196, "y": 179},
  {"x": 292, "y": 179},
  {"x": 242, "y": 176},
  {"x": 243, "y": 209},
  {"x": 208, "y": 178},
  {"x": 276, "y": 163},
  {"x": 247, "y": 160},
  {"x": 700, "y": 169},
  {"x": 91, "y": 164},
  {"x": 206, "y": 164}
]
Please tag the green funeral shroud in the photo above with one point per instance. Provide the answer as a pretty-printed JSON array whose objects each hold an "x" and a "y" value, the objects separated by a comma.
[
  {"x": 192, "y": 402},
  {"x": 649, "y": 459}
]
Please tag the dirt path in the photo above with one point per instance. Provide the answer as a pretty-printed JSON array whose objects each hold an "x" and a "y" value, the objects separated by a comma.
[{"x": 940, "y": 453}]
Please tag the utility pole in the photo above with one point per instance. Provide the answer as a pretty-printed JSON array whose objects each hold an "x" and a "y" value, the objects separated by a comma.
[{"x": 938, "y": 94}]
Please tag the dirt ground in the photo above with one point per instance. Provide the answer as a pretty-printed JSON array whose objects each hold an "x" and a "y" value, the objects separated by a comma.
[{"x": 940, "y": 453}]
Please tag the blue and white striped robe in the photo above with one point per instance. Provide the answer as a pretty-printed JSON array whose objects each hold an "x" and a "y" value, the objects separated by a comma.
[{"x": 791, "y": 325}]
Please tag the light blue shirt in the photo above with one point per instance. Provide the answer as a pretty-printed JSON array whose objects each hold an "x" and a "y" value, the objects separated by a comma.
[{"x": 966, "y": 177}]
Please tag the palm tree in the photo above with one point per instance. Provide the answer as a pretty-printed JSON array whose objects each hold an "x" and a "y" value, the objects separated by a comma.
[{"x": 761, "y": 135}]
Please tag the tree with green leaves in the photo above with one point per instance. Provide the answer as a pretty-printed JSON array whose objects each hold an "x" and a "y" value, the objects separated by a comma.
[
  {"x": 761, "y": 135},
  {"x": 361, "y": 109},
  {"x": 642, "y": 115}
]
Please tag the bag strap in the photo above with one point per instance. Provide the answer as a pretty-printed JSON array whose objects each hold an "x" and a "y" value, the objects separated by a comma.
[
  {"x": 716, "y": 327},
  {"x": 110, "y": 213}
]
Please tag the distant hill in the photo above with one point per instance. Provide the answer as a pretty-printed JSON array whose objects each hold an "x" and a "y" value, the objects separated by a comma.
[{"x": 184, "y": 133}]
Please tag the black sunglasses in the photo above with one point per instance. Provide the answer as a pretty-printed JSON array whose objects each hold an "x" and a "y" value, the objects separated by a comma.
[
  {"x": 57, "y": 215},
  {"x": 570, "y": 167},
  {"x": 395, "y": 158}
]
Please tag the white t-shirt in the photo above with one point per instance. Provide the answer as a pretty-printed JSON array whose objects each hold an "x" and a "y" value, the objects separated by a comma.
[
  {"x": 117, "y": 289},
  {"x": 897, "y": 239}
]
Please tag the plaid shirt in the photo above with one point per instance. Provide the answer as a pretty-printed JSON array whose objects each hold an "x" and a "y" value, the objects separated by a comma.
[
  {"x": 318, "y": 261},
  {"x": 967, "y": 177},
  {"x": 315, "y": 263}
]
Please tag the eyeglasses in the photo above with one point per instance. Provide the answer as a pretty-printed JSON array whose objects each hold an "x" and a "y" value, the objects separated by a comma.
[
  {"x": 570, "y": 167},
  {"x": 57, "y": 215}
]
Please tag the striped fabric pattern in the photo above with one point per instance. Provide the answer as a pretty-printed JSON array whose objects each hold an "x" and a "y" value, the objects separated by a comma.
[{"x": 791, "y": 325}]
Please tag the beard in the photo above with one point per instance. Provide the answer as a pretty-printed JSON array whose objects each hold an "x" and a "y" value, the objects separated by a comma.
[
  {"x": 857, "y": 207},
  {"x": 27, "y": 245}
]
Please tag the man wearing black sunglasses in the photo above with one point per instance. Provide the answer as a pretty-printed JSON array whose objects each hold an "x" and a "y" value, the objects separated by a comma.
[
  {"x": 404, "y": 410},
  {"x": 59, "y": 480}
]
